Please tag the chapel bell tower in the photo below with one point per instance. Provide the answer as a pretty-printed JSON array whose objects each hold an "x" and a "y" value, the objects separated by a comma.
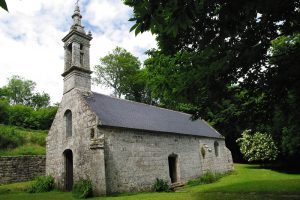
[{"x": 77, "y": 73}]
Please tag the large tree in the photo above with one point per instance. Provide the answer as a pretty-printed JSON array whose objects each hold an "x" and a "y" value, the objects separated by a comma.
[
  {"x": 213, "y": 54},
  {"x": 21, "y": 91},
  {"x": 122, "y": 72}
]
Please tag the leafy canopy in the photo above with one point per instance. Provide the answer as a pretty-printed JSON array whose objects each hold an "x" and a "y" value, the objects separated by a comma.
[
  {"x": 121, "y": 71},
  {"x": 3, "y": 5},
  {"x": 21, "y": 91}
]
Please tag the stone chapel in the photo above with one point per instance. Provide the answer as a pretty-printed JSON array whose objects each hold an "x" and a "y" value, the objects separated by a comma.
[{"x": 121, "y": 145}]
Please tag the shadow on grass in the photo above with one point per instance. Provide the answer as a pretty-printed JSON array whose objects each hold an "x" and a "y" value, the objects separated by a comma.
[
  {"x": 286, "y": 169},
  {"x": 287, "y": 186}
]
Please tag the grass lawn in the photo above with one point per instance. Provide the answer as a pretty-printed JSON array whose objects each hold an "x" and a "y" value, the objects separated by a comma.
[{"x": 248, "y": 182}]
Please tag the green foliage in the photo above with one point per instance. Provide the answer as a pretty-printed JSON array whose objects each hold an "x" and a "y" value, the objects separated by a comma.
[
  {"x": 257, "y": 146},
  {"x": 3, "y": 5},
  {"x": 42, "y": 184},
  {"x": 82, "y": 189},
  {"x": 120, "y": 70},
  {"x": 21, "y": 115},
  {"x": 40, "y": 100},
  {"x": 206, "y": 178},
  {"x": 26, "y": 149},
  {"x": 21, "y": 91},
  {"x": 116, "y": 70},
  {"x": 26, "y": 109},
  {"x": 10, "y": 139},
  {"x": 236, "y": 74},
  {"x": 161, "y": 185},
  {"x": 27, "y": 117},
  {"x": 18, "y": 141},
  {"x": 4, "y": 111}
]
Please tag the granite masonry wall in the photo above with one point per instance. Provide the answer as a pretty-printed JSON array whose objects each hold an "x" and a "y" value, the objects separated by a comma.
[
  {"x": 87, "y": 151},
  {"x": 134, "y": 159},
  {"x": 21, "y": 168}
]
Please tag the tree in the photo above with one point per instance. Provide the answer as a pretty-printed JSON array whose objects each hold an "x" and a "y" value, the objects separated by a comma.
[
  {"x": 258, "y": 146},
  {"x": 40, "y": 100},
  {"x": 212, "y": 52},
  {"x": 282, "y": 82},
  {"x": 3, "y": 5},
  {"x": 120, "y": 70},
  {"x": 21, "y": 91}
]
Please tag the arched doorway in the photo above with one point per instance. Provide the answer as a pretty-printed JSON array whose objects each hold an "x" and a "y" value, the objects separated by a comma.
[
  {"x": 173, "y": 165},
  {"x": 68, "y": 155}
]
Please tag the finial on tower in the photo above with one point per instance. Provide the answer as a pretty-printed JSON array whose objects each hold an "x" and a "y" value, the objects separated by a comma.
[{"x": 77, "y": 18}]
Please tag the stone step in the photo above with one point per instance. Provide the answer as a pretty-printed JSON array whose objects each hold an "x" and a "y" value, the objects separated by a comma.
[{"x": 177, "y": 185}]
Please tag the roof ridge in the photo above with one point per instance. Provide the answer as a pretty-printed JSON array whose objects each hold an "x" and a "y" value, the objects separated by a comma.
[{"x": 145, "y": 104}]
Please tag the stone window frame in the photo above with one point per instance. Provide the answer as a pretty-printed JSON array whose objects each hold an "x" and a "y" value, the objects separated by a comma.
[{"x": 68, "y": 125}]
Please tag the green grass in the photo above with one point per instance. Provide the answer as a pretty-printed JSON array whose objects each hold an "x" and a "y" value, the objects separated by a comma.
[
  {"x": 248, "y": 182},
  {"x": 27, "y": 149},
  {"x": 19, "y": 141}
]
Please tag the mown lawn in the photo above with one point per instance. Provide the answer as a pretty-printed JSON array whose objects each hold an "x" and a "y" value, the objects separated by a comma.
[{"x": 248, "y": 182}]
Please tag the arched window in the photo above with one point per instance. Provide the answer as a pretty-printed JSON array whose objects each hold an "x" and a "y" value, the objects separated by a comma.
[
  {"x": 216, "y": 145},
  {"x": 68, "y": 123}
]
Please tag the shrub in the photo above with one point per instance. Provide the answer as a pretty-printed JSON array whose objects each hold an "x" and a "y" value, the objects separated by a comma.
[
  {"x": 42, "y": 184},
  {"x": 206, "y": 178},
  {"x": 161, "y": 185},
  {"x": 21, "y": 115},
  {"x": 4, "y": 111},
  {"x": 82, "y": 189},
  {"x": 10, "y": 137},
  {"x": 257, "y": 146}
]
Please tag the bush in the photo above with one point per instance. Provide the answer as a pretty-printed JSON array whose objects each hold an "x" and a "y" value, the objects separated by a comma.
[
  {"x": 206, "y": 178},
  {"x": 82, "y": 189},
  {"x": 20, "y": 115},
  {"x": 10, "y": 138},
  {"x": 4, "y": 111},
  {"x": 257, "y": 146},
  {"x": 26, "y": 117},
  {"x": 42, "y": 184},
  {"x": 161, "y": 185}
]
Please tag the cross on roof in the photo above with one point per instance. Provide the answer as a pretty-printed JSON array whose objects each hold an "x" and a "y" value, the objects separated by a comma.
[{"x": 77, "y": 3}]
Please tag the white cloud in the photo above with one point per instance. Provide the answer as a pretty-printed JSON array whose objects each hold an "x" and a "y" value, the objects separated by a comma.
[{"x": 31, "y": 33}]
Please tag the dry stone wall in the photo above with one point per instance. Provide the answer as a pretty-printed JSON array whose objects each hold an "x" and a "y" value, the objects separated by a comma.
[{"x": 21, "y": 168}]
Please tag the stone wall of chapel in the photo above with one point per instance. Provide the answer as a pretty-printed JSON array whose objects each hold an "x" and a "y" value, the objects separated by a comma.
[
  {"x": 134, "y": 159},
  {"x": 88, "y": 158}
]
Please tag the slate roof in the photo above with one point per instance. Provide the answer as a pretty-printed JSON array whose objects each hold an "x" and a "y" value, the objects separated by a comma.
[{"x": 122, "y": 113}]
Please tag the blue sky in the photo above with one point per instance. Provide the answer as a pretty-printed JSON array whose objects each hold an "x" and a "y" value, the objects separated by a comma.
[{"x": 31, "y": 33}]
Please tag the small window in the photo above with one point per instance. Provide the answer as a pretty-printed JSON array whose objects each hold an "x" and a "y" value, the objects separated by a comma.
[
  {"x": 81, "y": 47},
  {"x": 216, "y": 145},
  {"x": 68, "y": 123}
]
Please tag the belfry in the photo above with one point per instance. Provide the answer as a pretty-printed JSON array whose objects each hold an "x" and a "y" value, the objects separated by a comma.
[{"x": 77, "y": 56}]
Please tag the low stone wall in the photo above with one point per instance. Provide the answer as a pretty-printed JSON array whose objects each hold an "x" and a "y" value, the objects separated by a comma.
[{"x": 21, "y": 168}]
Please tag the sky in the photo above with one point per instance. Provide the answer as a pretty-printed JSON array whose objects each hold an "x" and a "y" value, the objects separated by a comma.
[{"x": 31, "y": 33}]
